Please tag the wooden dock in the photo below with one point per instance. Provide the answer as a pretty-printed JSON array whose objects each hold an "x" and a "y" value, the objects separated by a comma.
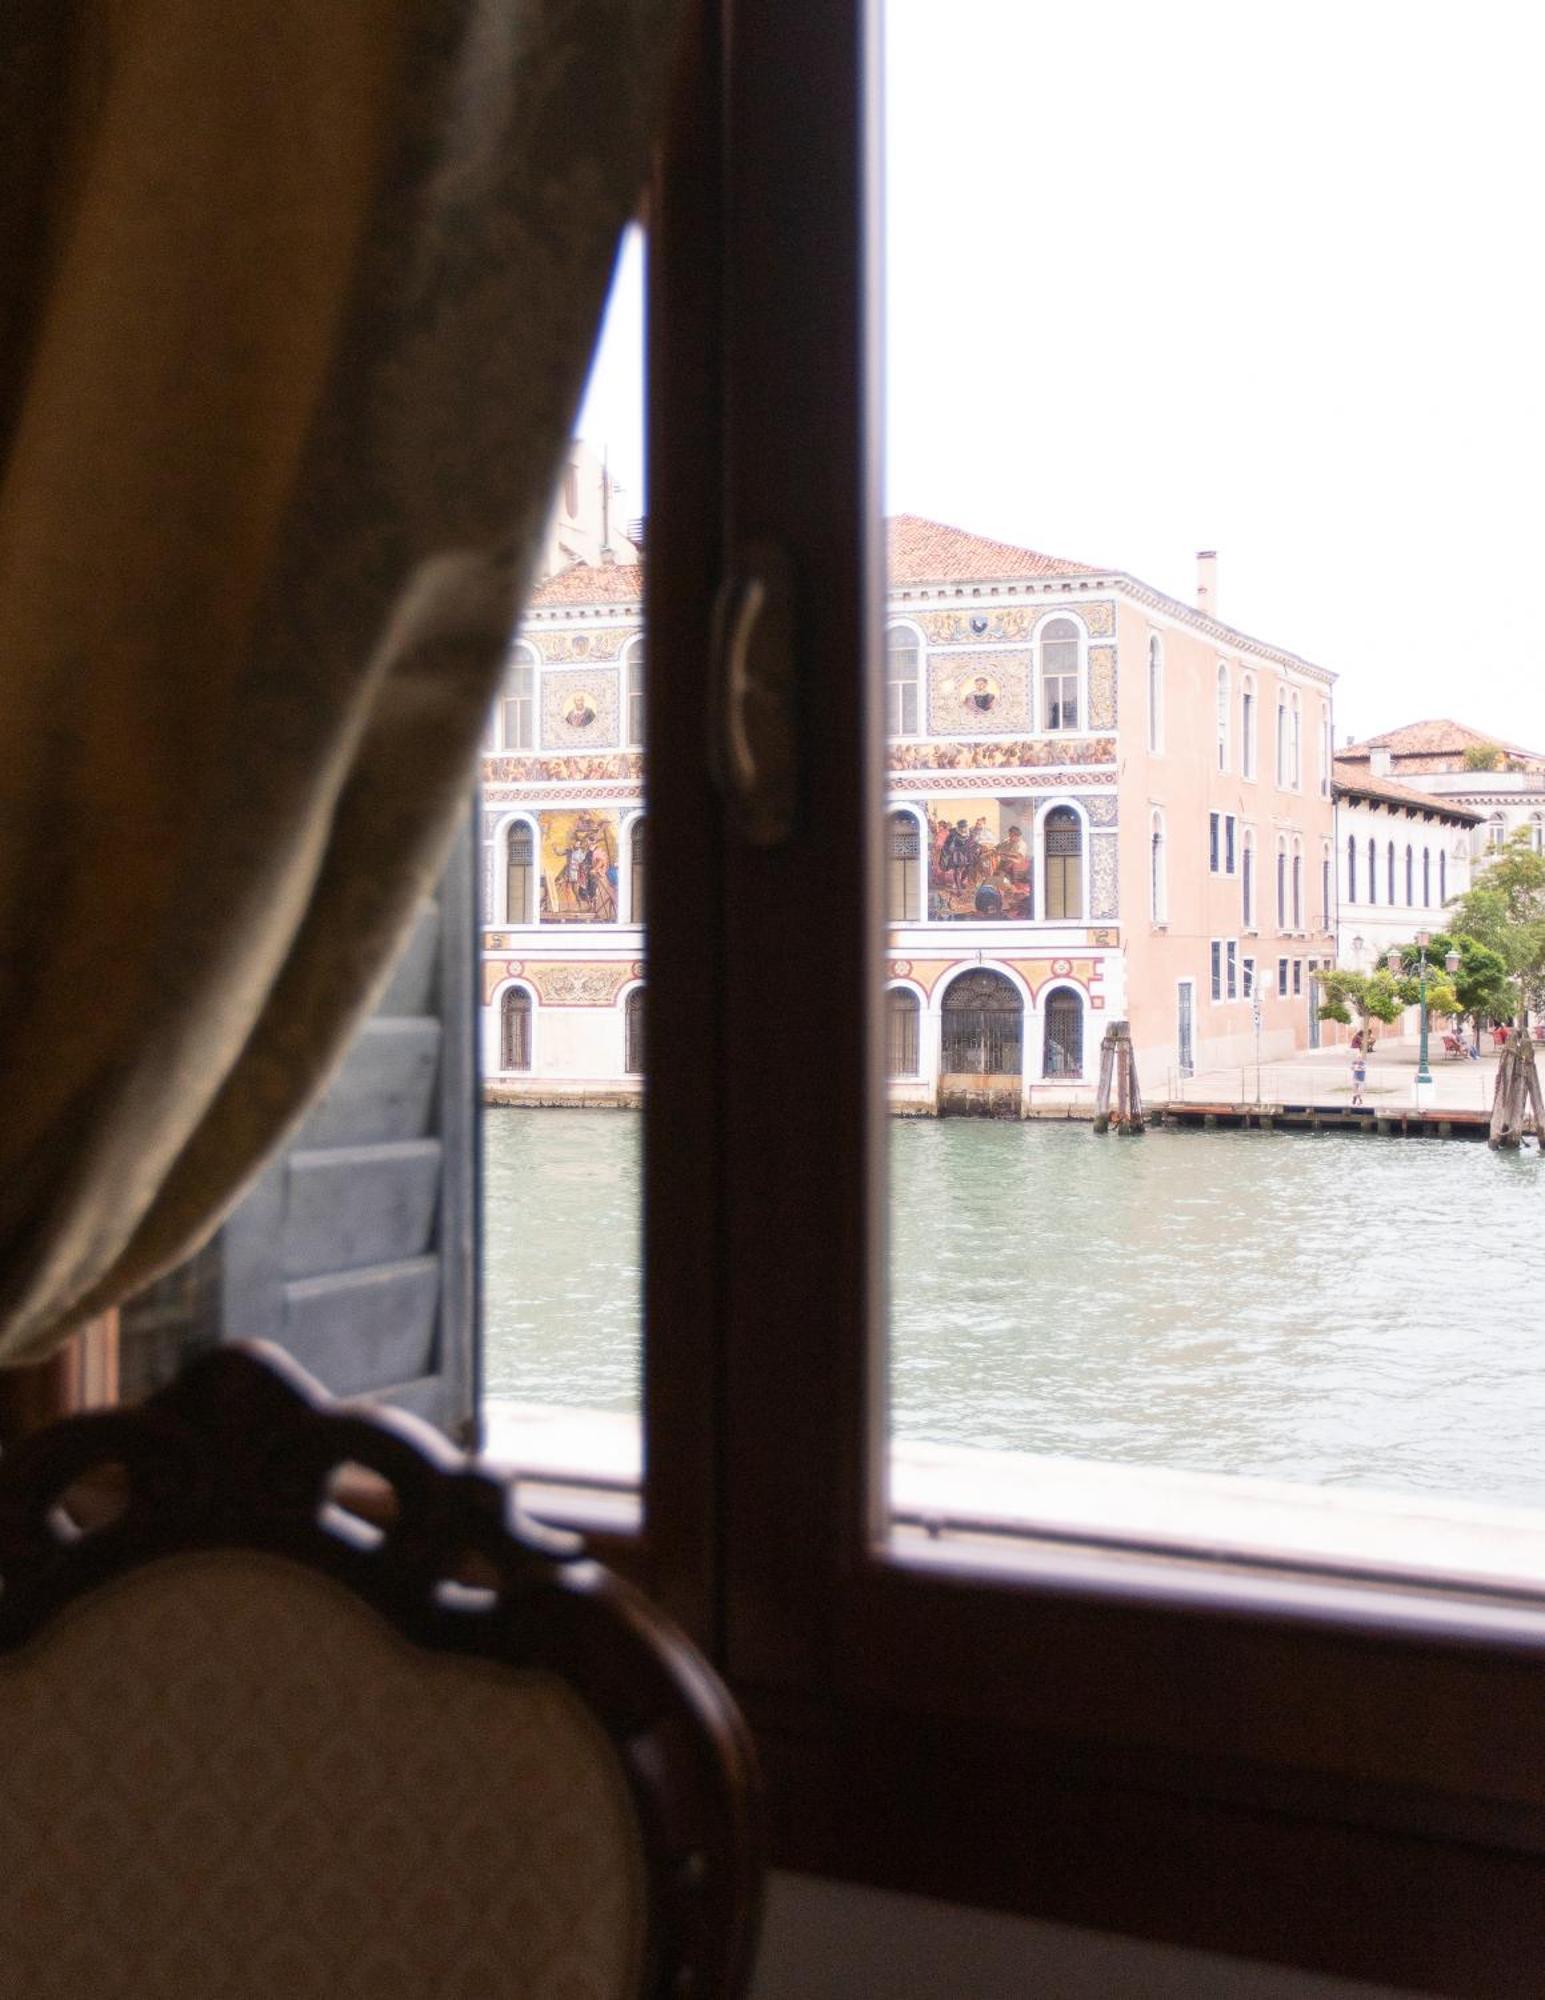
[{"x": 1436, "y": 1122}]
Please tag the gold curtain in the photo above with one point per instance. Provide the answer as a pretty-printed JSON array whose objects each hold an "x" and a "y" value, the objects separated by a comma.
[{"x": 298, "y": 301}]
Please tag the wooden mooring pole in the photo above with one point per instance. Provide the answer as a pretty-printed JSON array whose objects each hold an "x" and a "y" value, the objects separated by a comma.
[
  {"x": 1118, "y": 1080},
  {"x": 1517, "y": 1107}
]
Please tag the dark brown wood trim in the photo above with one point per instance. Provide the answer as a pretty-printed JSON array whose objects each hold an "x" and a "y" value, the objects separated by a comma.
[
  {"x": 805, "y": 1125},
  {"x": 240, "y": 1452},
  {"x": 683, "y": 1389},
  {"x": 968, "y": 1814}
]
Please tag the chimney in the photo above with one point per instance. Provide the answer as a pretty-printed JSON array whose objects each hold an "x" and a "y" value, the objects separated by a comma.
[
  {"x": 1378, "y": 760},
  {"x": 1207, "y": 582}
]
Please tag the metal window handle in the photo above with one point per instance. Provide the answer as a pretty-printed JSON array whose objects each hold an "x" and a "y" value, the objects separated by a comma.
[{"x": 754, "y": 746}]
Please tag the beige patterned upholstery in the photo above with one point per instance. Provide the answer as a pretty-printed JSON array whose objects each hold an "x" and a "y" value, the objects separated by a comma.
[{"x": 224, "y": 1777}]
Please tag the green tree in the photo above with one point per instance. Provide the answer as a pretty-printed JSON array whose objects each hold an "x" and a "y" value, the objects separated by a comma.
[
  {"x": 1479, "y": 991},
  {"x": 1505, "y": 911},
  {"x": 1483, "y": 757},
  {"x": 1372, "y": 999}
]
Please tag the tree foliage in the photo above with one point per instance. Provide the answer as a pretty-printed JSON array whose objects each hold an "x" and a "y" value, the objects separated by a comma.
[
  {"x": 1480, "y": 991},
  {"x": 1505, "y": 911},
  {"x": 1372, "y": 999}
]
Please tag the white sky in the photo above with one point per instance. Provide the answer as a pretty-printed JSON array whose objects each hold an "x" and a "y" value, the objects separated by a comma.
[{"x": 1259, "y": 278}]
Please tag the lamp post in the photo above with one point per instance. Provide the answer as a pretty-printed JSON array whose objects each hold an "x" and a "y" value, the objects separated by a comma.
[
  {"x": 1397, "y": 965},
  {"x": 1262, "y": 990}
]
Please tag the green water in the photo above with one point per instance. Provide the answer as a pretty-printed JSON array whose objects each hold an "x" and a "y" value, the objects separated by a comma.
[{"x": 1330, "y": 1308}]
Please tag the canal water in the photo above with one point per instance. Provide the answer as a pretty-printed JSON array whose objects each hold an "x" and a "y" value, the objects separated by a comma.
[{"x": 1331, "y": 1308}]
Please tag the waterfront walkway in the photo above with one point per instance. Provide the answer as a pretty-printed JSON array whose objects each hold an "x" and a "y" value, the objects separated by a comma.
[{"x": 1324, "y": 1077}]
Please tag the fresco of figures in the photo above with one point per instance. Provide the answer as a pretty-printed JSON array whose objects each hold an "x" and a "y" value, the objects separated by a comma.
[
  {"x": 979, "y": 867},
  {"x": 579, "y": 867}
]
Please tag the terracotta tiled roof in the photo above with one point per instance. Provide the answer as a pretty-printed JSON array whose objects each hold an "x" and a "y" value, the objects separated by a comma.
[
  {"x": 623, "y": 583},
  {"x": 922, "y": 551},
  {"x": 1440, "y": 738},
  {"x": 1354, "y": 778},
  {"x": 918, "y": 551}
]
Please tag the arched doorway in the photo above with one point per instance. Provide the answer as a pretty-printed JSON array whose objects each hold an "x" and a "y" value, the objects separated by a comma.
[
  {"x": 1063, "y": 1054},
  {"x": 983, "y": 1026}
]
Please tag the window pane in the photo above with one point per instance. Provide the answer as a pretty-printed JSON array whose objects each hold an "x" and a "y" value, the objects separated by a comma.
[
  {"x": 563, "y": 958},
  {"x": 1146, "y": 850}
]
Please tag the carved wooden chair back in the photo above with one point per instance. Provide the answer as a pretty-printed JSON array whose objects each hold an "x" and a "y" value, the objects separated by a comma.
[{"x": 251, "y": 1744}]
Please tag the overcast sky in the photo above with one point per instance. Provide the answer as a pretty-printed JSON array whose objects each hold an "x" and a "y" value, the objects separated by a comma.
[{"x": 1258, "y": 278}]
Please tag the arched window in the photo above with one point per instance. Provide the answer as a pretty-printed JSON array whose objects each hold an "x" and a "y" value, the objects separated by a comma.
[
  {"x": 1247, "y": 880},
  {"x": 1327, "y": 885},
  {"x": 1063, "y": 1049},
  {"x": 1351, "y": 867},
  {"x": 903, "y": 870},
  {"x": 1063, "y": 868},
  {"x": 902, "y": 1020},
  {"x": 1496, "y": 833},
  {"x": 1282, "y": 882},
  {"x": 519, "y": 872},
  {"x": 633, "y": 1033},
  {"x": 1427, "y": 878},
  {"x": 1389, "y": 874},
  {"x": 1223, "y": 706},
  {"x": 1158, "y": 896},
  {"x": 983, "y": 1026},
  {"x": 1155, "y": 692},
  {"x": 633, "y": 692},
  {"x": 517, "y": 703},
  {"x": 1373, "y": 870},
  {"x": 1296, "y": 743},
  {"x": 1298, "y": 885},
  {"x": 515, "y": 1029},
  {"x": 1410, "y": 875},
  {"x": 1282, "y": 738},
  {"x": 1537, "y": 832},
  {"x": 903, "y": 658},
  {"x": 1247, "y": 727},
  {"x": 1442, "y": 876},
  {"x": 637, "y": 839},
  {"x": 1325, "y": 750},
  {"x": 1059, "y": 674}
]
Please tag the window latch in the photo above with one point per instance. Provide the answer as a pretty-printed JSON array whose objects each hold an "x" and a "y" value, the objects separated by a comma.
[{"x": 753, "y": 749}]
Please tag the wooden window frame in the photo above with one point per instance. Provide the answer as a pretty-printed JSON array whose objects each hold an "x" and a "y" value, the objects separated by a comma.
[{"x": 1337, "y": 1774}]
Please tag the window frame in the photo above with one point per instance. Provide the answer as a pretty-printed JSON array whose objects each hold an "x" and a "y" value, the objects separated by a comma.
[
  {"x": 1329, "y": 1773},
  {"x": 918, "y": 682}
]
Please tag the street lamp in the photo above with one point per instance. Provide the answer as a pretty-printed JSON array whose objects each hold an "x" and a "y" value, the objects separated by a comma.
[
  {"x": 1397, "y": 964},
  {"x": 1261, "y": 990}
]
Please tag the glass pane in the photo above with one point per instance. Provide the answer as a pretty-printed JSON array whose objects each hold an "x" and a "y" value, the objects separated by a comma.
[
  {"x": 563, "y": 958},
  {"x": 1162, "y": 489}
]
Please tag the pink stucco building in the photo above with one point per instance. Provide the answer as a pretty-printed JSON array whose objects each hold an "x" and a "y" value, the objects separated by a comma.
[{"x": 1104, "y": 804}]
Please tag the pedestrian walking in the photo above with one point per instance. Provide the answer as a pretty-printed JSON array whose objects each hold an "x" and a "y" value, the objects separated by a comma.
[{"x": 1359, "y": 1075}]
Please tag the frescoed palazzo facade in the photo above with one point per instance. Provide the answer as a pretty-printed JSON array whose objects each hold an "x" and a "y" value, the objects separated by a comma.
[{"x": 1087, "y": 800}]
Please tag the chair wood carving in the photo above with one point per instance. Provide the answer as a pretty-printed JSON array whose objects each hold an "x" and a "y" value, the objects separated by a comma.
[{"x": 252, "y": 1744}]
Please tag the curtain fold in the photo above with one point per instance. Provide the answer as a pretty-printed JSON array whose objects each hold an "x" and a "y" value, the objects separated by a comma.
[{"x": 305, "y": 300}]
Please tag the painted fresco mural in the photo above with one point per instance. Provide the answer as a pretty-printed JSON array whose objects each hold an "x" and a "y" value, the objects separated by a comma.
[
  {"x": 979, "y": 866},
  {"x": 579, "y": 867}
]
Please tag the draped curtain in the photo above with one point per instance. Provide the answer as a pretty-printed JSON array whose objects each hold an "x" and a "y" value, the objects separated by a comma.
[{"x": 297, "y": 309}]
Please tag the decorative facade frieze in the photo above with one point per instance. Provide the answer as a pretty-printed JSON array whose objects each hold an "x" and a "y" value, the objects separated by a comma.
[
  {"x": 1026, "y": 754},
  {"x": 502, "y": 774},
  {"x": 559, "y": 648},
  {"x": 560, "y": 984},
  {"x": 993, "y": 624},
  {"x": 997, "y": 782},
  {"x": 1102, "y": 807}
]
